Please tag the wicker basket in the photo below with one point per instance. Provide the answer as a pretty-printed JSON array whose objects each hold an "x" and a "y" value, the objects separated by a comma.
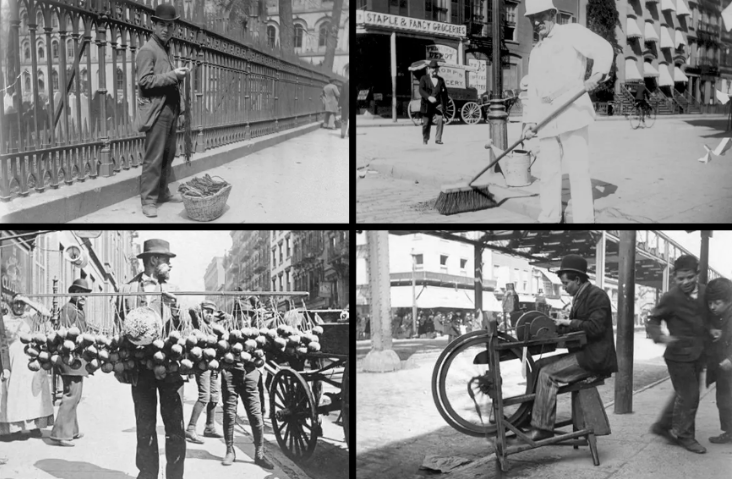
[{"x": 207, "y": 208}]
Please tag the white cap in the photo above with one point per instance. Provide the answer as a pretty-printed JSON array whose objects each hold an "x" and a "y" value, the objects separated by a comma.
[{"x": 535, "y": 6}]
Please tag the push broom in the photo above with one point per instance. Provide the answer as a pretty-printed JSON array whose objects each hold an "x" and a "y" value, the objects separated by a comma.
[{"x": 462, "y": 197}]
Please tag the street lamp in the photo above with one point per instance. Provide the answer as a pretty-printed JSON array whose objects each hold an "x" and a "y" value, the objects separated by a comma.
[{"x": 497, "y": 113}]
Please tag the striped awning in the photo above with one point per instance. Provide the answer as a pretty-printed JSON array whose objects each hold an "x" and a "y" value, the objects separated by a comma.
[
  {"x": 664, "y": 77},
  {"x": 681, "y": 8},
  {"x": 631, "y": 70},
  {"x": 667, "y": 5},
  {"x": 632, "y": 28},
  {"x": 679, "y": 75},
  {"x": 680, "y": 39},
  {"x": 666, "y": 41},
  {"x": 649, "y": 70},
  {"x": 651, "y": 35}
]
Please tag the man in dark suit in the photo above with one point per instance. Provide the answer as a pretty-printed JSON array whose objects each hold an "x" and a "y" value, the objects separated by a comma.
[
  {"x": 158, "y": 107},
  {"x": 590, "y": 313},
  {"x": 434, "y": 94},
  {"x": 719, "y": 366},
  {"x": 688, "y": 321}
]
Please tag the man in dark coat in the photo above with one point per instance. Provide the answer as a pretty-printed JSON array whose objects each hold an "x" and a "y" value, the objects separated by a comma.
[
  {"x": 158, "y": 107},
  {"x": 590, "y": 313},
  {"x": 719, "y": 367},
  {"x": 687, "y": 319},
  {"x": 433, "y": 91},
  {"x": 66, "y": 427}
]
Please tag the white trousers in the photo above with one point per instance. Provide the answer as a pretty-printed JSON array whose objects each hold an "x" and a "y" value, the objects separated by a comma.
[{"x": 570, "y": 149}]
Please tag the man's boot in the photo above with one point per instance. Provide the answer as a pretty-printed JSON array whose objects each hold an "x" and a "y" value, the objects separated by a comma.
[
  {"x": 191, "y": 435},
  {"x": 262, "y": 461},
  {"x": 230, "y": 456}
]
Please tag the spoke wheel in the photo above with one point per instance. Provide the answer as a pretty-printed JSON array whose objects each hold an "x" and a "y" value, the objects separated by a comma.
[
  {"x": 470, "y": 113},
  {"x": 650, "y": 117},
  {"x": 635, "y": 118},
  {"x": 292, "y": 411},
  {"x": 464, "y": 366},
  {"x": 450, "y": 113}
]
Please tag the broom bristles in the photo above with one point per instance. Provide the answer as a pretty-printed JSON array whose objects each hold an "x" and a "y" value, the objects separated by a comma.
[{"x": 463, "y": 198}]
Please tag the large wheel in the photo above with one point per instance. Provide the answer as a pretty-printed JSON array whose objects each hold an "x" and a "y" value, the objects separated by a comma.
[
  {"x": 294, "y": 418},
  {"x": 635, "y": 119},
  {"x": 415, "y": 115},
  {"x": 650, "y": 117},
  {"x": 450, "y": 113},
  {"x": 345, "y": 406},
  {"x": 470, "y": 113},
  {"x": 463, "y": 368}
]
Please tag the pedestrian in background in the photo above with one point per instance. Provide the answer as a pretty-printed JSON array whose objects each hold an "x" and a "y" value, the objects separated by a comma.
[
  {"x": 66, "y": 428},
  {"x": 433, "y": 91},
  {"x": 719, "y": 366},
  {"x": 330, "y": 103},
  {"x": 687, "y": 318}
]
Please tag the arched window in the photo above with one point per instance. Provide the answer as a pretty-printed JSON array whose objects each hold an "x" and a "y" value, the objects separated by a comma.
[
  {"x": 271, "y": 35},
  {"x": 41, "y": 54},
  {"x": 24, "y": 21},
  {"x": 55, "y": 49},
  {"x": 323, "y": 34},
  {"x": 54, "y": 79},
  {"x": 297, "y": 39},
  {"x": 55, "y": 21},
  {"x": 120, "y": 79},
  {"x": 39, "y": 20},
  {"x": 70, "y": 48},
  {"x": 27, "y": 53},
  {"x": 27, "y": 81}
]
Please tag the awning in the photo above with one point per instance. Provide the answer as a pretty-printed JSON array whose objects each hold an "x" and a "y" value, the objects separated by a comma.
[
  {"x": 666, "y": 41},
  {"x": 651, "y": 1},
  {"x": 649, "y": 70},
  {"x": 679, "y": 75},
  {"x": 667, "y": 5},
  {"x": 664, "y": 77},
  {"x": 527, "y": 298},
  {"x": 679, "y": 39},
  {"x": 631, "y": 70},
  {"x": 633, "y": 31},
  {"x": 651, "y": 35},
  {"x": 681, "y": 8}
]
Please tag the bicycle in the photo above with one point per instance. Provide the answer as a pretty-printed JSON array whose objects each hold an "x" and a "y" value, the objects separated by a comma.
[{"x": 642, "y": 115}]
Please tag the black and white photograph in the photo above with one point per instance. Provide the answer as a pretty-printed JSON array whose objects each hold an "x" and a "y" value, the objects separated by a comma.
[
  {"x": 168, "y": 354},
  {"x": 153, "y": 111},
  {"x": 480, "y": 352},
  {"x": 543, "y": 111}
]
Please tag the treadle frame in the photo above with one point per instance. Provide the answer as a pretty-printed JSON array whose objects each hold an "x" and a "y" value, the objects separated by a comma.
[{"x": 504, "y": 428}]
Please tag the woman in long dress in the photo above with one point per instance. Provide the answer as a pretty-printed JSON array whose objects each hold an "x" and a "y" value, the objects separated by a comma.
[{"x": 25, "y": 396}]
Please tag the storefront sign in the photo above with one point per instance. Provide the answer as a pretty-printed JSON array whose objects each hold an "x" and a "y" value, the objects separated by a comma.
[
  {"x": 443, "y": 52},
  {"x": 378, "y": 97},
  {"x": 479, "y": 79},
  {"x": 454, "y": 77},
  {"x": 362, "y": 95},
  {"x": 397, "y": 22}
]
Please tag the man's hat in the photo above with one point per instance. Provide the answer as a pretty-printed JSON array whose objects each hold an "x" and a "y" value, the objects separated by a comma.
[
  {"x": 433, "y": 64},
  {"x": 156, "y": 246},
  {"x": 208, "y": 305},
  {"x": 165, "y": 12},
  {"x": 573, "y": 263},
  {"x": 81, "y": 285},
  {"x": 536, "y": 6}
]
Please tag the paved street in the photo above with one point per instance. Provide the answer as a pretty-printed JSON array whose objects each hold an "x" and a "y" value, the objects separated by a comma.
[
  {"x": 636, "y": 174},
  {"x": 107, "y": 451},
  {"x": 303, "y": 180}
]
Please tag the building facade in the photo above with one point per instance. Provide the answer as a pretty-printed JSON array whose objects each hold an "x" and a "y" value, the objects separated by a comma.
[{"x": 215, "y": 277}]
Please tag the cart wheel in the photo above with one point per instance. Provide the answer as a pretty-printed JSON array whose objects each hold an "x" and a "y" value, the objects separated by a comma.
[
  {"x": 462, "y": 367},
  {"x": 470, "y": 113},
  {"x": 345, "y": 406},
  {"x": 416, "y": 115},
  {"x": 450, "y": 113},
  {"x": 292, "y": 411}
]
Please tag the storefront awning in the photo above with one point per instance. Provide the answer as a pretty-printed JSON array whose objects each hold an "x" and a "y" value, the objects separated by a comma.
[
  {"x": 679, "y": 75},
  {"x": 679, "y": 39},
  {"x": 649, "y": 71},
  {"x": 681, "y": 8},
  {"x": 664, "y": 77},
  {"x": 419, "y": 64},
  {"x": 667, "y": 5},
  {"x": 650, "y": 33},
  {"x": 666, "y": 41},
  {"x": 631, "y": 70},
  {"x": 632, "y": 30}
]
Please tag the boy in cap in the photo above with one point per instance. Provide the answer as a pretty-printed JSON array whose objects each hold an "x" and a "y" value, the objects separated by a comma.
[{"x": 719, "y": 367}]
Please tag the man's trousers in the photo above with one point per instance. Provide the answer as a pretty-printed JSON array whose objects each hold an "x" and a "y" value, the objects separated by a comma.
[
  {"x": 159, "y": 153},
  {"x": 680, "y": 411}
]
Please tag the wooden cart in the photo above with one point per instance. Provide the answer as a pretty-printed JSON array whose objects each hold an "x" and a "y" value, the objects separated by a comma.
[{"x": 462, "y": 101}]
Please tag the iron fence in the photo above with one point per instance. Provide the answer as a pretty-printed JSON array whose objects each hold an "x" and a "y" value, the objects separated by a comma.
[{"x": 69, "y": 82}]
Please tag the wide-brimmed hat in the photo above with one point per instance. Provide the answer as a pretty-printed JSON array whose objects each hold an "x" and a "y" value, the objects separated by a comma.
[
  {"x": 80, "y": 284},
  {"x": 573, "y": 263},
  {"x": 156, "y": 246},
  {"x": 536, "y": 6},
  {"x": 165, "y": 12}
]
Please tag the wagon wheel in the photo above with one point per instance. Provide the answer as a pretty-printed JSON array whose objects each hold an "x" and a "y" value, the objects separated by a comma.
[
  {"x": 345, "y": 406},
  {"x": 415, "y": 115},
  {"x": 463, "y": 368},
  {"x": 292, "y": 411},
  {"x": 450, "y": 113},
  {"x": 470, "y": 113}
]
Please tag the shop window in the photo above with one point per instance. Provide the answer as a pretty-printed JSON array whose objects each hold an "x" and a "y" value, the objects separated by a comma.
[{"x": 299, "y": 32}]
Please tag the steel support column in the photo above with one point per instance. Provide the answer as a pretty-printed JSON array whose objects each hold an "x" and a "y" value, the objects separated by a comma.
[
  {"x": 626, "y": 305},
  {"x": 704, "y": 257}
]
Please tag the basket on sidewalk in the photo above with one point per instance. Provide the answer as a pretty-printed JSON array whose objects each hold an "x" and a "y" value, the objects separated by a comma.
[{"x": 207, "y": 208}]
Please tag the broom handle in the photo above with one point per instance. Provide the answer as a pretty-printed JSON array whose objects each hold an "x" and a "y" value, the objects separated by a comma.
[{"x": 540, "y": 125}]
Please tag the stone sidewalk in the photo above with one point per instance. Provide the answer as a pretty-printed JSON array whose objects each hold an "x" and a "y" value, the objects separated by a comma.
[{"x": 637, "y": 175}]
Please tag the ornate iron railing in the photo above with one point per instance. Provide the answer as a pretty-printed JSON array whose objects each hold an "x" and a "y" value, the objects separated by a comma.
[{"x": 68, "y": 76}]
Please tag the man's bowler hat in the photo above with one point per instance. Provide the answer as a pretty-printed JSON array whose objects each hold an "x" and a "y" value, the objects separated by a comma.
[
  {"x": 80, "y": 285},
  {"x": 165, "y": 12},
  {"x": 156, "y": 246},
  {"x": 573, "y": 263}
]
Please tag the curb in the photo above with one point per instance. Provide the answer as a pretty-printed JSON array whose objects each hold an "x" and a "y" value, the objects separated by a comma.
[{"x": 85, "y": 197}]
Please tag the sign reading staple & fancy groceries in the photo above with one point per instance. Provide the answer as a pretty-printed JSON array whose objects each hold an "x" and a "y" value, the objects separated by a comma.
[{"x": 398, "y": 22}]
